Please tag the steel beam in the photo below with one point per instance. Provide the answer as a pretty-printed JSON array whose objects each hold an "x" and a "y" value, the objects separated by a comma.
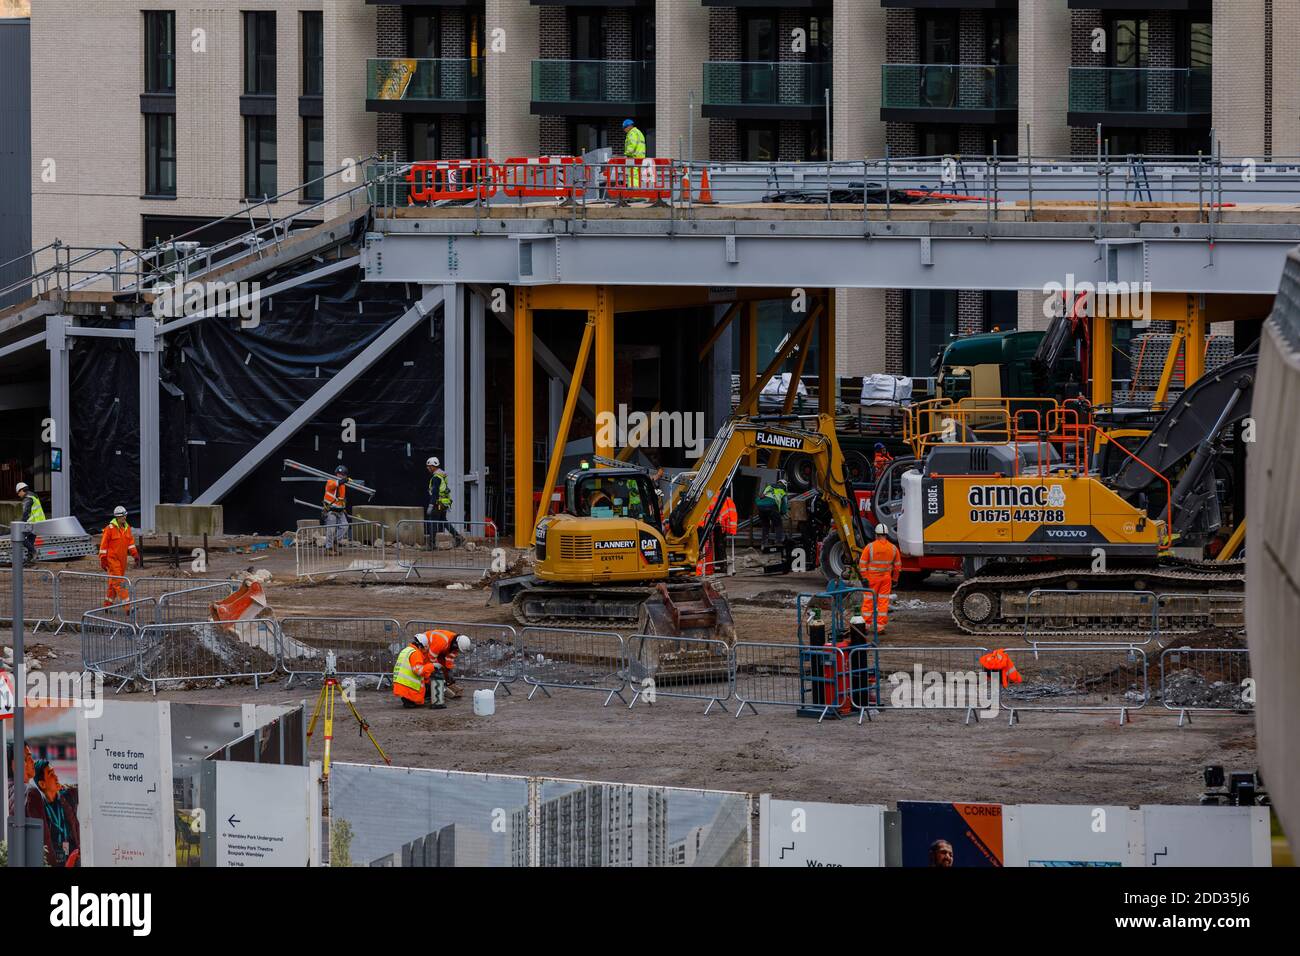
[
  {"x": 523, "y": 400},
  {"x": 826, "y": 397},
  {"x": 550, "y": 364},
  {"x": 56, "y": 341},
  {"x": 147, "y": 346},
  {"x": 602, "y": 317},
  {"x": 589, "y": 334},
  {"x": 28, "y": 343},
  {"x": 477, "y": 475},
  {"x": 404, "y": 324},
  {"x": 453, "y": 397}
]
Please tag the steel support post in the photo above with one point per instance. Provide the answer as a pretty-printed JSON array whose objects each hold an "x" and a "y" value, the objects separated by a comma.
[
  {"x": 147, "y": 345},
  {"x": 477, "y": 408},
  {"x": 748, "y": 364},
  {"x": 827, "y": 382},
  {"x": 566, "y": 419},
  {"x": 453, "y": 396},
  {"x": 57, "y": 342},
  {"x": 603, "y": 317},
  {"x": 1102, "y": 379},
  {"x": 1194, "y": 349},
  {"x": 523, "y": 451}
]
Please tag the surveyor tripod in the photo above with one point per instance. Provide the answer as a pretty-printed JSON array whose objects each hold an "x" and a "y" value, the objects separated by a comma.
[{"x": 325, "y": 702}]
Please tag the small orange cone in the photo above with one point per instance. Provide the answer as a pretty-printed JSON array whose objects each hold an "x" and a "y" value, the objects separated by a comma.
[
  {"x": 706, "y": 194},
  {"x": 686, "y": 190}
]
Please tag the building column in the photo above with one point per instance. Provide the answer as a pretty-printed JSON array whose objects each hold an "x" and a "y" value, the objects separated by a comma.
[
  {"x": 453, "y": 396},
  {"x": 147, "y": 346},
  {"x": 1238, "y": 101},
  {"x": 858, "y": 55},
  {"x": 1044, "y": 77},
  {"x": 511, "y": 41},
  {"x": 477, "y": 474},
  {"x": 57, "y": 342},
  {"x": 603, "y": 316},
  {"x": 682, "y": 42},
  {"x": 523, "y": 492}
]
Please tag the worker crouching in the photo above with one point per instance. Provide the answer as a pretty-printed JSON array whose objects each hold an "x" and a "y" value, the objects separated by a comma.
[{"x": 424, "y": 672}]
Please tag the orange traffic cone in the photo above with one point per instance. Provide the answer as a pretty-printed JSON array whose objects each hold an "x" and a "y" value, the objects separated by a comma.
[
  {"x": 686, "y": 190},
  {"x": 706, "y": 194}
]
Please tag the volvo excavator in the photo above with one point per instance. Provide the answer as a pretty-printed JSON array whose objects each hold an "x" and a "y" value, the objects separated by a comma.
[
  {"x": 610, "y": 558},
  {"x": 1024, "y": 496}
]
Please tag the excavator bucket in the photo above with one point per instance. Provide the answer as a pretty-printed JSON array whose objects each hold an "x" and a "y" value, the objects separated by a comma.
[
  {"x": 688, "y": 610},
  {"x": 245, "y": 605}
]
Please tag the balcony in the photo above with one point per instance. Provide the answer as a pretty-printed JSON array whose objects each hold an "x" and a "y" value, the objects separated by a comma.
[
  {"x": 948, "y": 93},
  {"x": 769, "y": 90},
  {"x": 592, "y": 87},
  {"x": 1148, "y": 98},
  {"x": 409, "y": 85}
]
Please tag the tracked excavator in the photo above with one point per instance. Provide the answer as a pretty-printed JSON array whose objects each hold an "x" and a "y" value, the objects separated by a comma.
[
  {"x": 611, "y": 558},
  {"x": 1025, "y": 498}
]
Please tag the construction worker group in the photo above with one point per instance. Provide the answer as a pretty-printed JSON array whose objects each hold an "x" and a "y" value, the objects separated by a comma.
[{"x": 424, "y": 672}]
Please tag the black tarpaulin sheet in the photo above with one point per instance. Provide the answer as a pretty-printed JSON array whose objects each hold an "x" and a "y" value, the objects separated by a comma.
[
  {"x": 104, "y": 434},
  {"x": 226, "y": 387}
]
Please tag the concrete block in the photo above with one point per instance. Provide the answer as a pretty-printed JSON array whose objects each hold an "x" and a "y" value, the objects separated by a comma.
[
  {"x": 189, "y": 520},
  {"x": 388, "y": 516},
  {"x": 11, "y": 511}
]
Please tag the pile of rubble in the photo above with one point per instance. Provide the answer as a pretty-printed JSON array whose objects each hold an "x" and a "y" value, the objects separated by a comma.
[{"x": 1188, "y": 688}]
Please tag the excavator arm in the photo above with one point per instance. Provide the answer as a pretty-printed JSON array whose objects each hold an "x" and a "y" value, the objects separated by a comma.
[{"x": 739, "y": 436}]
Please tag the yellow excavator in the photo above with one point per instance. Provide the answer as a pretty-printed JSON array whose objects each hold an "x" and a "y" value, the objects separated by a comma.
[{"x": 611, "y": 558}]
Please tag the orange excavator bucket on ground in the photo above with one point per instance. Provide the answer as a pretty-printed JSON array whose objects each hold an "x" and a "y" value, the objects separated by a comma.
[{"x": 246, "y": 604}]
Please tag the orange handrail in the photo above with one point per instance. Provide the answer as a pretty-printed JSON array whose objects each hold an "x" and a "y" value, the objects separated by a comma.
[{"x": 1169, "y": 489}]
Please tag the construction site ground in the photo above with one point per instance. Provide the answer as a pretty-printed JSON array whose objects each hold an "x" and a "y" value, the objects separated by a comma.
[{"x": 1045, "y": 758}]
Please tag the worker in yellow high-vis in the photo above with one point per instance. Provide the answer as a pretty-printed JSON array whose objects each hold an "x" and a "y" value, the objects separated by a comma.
[{"x": 634, "y": 150}]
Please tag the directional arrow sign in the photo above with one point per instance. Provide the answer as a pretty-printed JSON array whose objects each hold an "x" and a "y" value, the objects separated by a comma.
[{"x": 232, "y": 820}]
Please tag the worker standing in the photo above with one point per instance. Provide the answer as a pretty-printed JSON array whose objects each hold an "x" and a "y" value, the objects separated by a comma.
[
  {"x": 444, "y": 646},
  {"x": 435, "y": 510},
  {"x": 32, "y": 512},
  {"x": 634, "y": 151},
  {"x": 879, "y": 567},
  {"x": 772, "y": 508},
  {"x": 880, "y": 460},
  {"x": 412, "y": 671},
  {"x": 117, "y": 541},
  {"x": 334, "y": 508}
]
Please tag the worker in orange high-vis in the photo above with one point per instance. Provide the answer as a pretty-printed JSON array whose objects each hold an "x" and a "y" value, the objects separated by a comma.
[
  {"x": 879, "y": 567},
  {"x": 444, "y": 646},
  {"x": 412, "y": 672},
  {"x": 724, "y": 528},
  {"x": 999, "y": 660},
  {"x": 334, "y": 508},
  {"x": 880, "y": 460},
  {"x": 117, "y": 541}
]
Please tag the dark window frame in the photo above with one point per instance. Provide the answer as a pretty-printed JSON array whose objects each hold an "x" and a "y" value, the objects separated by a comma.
[
  {"x": 313, "y": 52},
  {"x": 256, "y": 160},
  {"x": 259, "y": 53},
  {"x": 160, "y": 51},
  {"x": 156, "y": 158},
  {"x": 313, "y": 169}
]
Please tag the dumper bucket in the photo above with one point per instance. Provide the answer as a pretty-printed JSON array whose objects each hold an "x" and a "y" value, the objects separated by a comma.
[{"x": 688, "y": 610}]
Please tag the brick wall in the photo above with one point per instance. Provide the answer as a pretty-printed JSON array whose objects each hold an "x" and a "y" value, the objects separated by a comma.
[
  {"x": 894, "y": 299},
  {"x": 970, "y": 311}
]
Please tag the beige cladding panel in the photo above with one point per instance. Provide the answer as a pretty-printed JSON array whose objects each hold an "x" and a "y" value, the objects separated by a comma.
[
  {"x": 681, "y": 47},
  {"x": 859, "y": 332},
  {"x": 1286, "y": 78},
  {"x": 1238, "y": 83},
  {"x": 1044, "y": 76},
  {"x": 857, "y": 56},
  {"x": 511, "y": 41}
]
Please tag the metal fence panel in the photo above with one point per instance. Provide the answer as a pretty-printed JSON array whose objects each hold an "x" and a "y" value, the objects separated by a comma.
[
  {"x": 192, "y": 604},
  {"x": 82, "y": 591},
  {"x": 208, "y": 650},
  {"x": 495, "y": 658},
  {"x": 814, "y": 679},
  {"x": 39, "y": 602},
  {"x": 873, "y": 669},
  {"x": 445, "y": 546},
  {"x": 690, "y": 668},
  {"x": 359, "y": 546},
  {"x": 1058, "y": 616},
  {"x": 1206, "y": 680},
  {"x": 156, "y": 587},
  {"x": 364, "y": 646},
  {"x": 1078, "y": 677},
  {"x": 1192, "y": 613},
  {"x": 577, "y": 660},
  {"x": 110, "y": 638}
]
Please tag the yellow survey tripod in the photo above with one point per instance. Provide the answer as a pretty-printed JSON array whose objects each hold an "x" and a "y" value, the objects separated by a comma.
[{"x": 328, "y": 692}]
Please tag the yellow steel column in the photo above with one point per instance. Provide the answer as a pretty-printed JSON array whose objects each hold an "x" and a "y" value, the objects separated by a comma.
[
  {"x": 827, "y": 383},
  {"x": 1194, "y": 339},
  {"x": 748, "y": 351},
  {"x": 603, "y": 319},
  {"x": 523, "y": 419},
  {"x": 566, "y": 419},
  {"x": 1102, "y": 334}
]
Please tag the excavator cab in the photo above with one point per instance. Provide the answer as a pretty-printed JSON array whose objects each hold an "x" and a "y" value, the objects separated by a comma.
[{"x": 612, "y": 493}]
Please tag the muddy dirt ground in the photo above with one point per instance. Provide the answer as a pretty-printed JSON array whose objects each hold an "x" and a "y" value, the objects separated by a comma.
[{"x": 1046, "y": 758}]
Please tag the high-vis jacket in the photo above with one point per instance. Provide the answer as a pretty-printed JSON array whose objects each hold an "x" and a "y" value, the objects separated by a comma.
[
  {"x": 336, "y": 494},
  {"x": 32, "y": 510},
  {"x": 410, "y": 672},
  {"x": 881, "y": 459},
  {"x": 117, "y": 541},
  {"x": 439, "y": 490},
  {"x": 634, "y": 144},
  {"x": 442, "y": 649},
  {"x": 880, "y": 560},
  {"x": 774, "y": 495},
  {"x": 1000, "y": 660}
]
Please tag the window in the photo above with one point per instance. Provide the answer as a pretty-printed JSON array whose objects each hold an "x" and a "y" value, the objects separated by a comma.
[
  {"x": 313, "y": 157},
  {"x": 422, "y": 139},
  {"x": 1128, "y": 44},
  {"x": 423, "y": 33},
  {"x": 259, "y": 156},
  {"x": 758, "y": 142},
  {"x": 1002, "y": 33},
  {"x": 160, "y": 154},
  {"x": 930, "y": 320},
  {"x": 259, "y": 53},
  {"x": 584, "y": 137},
  {"x": 475, "y": 137},
  {"x": 938, "y": 35},
  {"x": 313, "y": 54},
  {"x": 936, "y": 140},
  {"x": 160, "y": 51}
]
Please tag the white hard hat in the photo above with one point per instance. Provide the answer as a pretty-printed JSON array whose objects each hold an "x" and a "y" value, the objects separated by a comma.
[
  {"x": 881, "y": 529},
  {"x": 464, "y": 644},
  {"x": 422, "y": 640},
  {"x": 21, "y": 486},
  {"x": 433, "y": 463},
  {"x": 119, "y": 512},
  {"x": 857, "y": 619}
]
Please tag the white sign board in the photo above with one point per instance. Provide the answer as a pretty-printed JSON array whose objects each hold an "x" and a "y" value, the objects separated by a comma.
[
  {"x": 1207, "y": 836},
  {"x": 7, "y": 695},
  {"x": 1049, "y": 835},
  {"x": 807, "y": 834},
  {"x": 257, "y": 814},
  {"x": 124, "y": 779}
]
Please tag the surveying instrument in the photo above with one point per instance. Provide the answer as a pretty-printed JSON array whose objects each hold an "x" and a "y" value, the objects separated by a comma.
[{"x": 328, "y": 692}]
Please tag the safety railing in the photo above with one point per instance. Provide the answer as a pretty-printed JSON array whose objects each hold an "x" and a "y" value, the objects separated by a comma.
[
  {"x": 156, "y": 587},
  {"x": 445, "y": 80},
  {"x": 1206, "y": 680},
  {"x": 885, "y": 678},
  {"x": 678, "y": 667},
  {"x": 81, "y": 591},
  {"x": 39, "y": 599},
  {"x": 1078, "y": 678},
  {"x": 837, "y": 606},
  {"x": 110, "y": 638},
  {"x": 553, "y": 658},
  {"x": 1191, "y": 613},
  {"x": 1061, "y": 616},
  {"x": 713, "y": 564},
  {"x": 495, "y": 658},
  {"x": 208, "y": 650},
  {"x": 346, "y": 547},
  {"x": 630, "y": 82},
  {"x": 363, "y": 646},
  {"x": 812, "y": 679},
  {"x": 192, "y": 603},
  {"x": 948, "y": 86},
  {"x": 445, "y": 546}
]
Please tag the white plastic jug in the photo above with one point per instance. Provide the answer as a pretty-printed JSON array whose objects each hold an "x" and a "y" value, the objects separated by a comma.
[{"x": 485, "y": 703}]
